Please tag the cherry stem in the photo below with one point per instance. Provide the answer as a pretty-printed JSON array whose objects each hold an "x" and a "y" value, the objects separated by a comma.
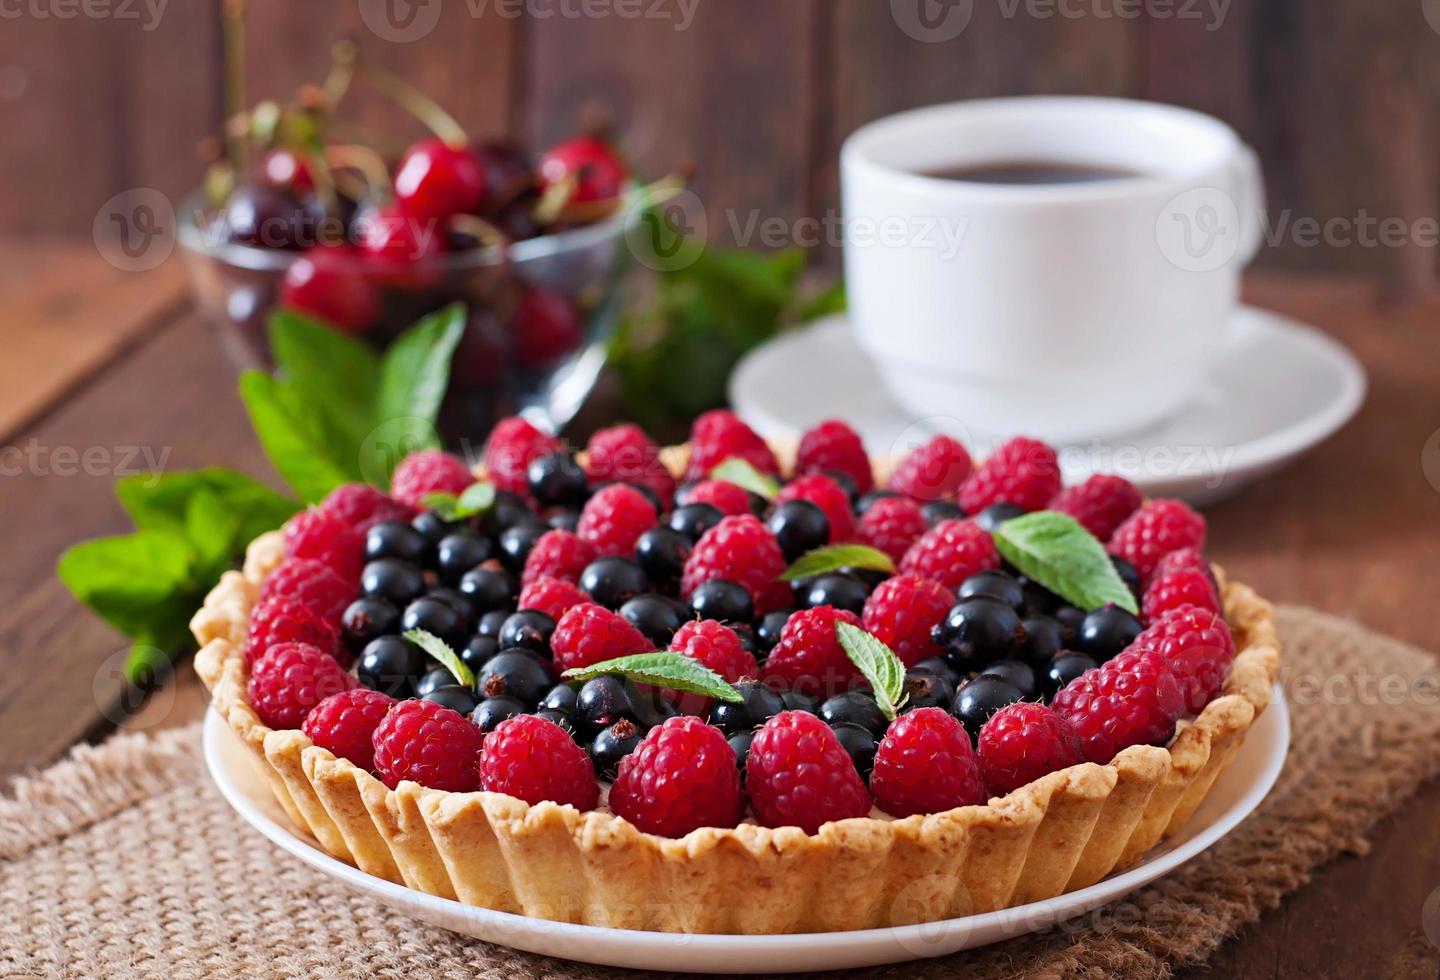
[
  {"x": 482, "y": 230},
  {"x": 415, "y": 102},
  {"x": 342, "y": 72},
  {"x": 371, "y": 165},
  {"x": 233, "y": 30},
  {"x": 555, "y": 198}
]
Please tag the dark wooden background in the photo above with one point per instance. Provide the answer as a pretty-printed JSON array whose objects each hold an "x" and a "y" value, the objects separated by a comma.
[{"x": 1338, "y": 96}]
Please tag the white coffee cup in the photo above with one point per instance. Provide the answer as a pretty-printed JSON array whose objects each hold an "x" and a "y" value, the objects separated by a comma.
[{"x": 1066, "y": 311}]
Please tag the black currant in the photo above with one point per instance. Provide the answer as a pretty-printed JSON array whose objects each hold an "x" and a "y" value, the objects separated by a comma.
[
  {"x": 800, "y": 701},
  {"x": 489, "y": 589},
  {"x": 1065, "y": 668},
  {"x": 392, "y": 540},
  {"x": 926, "y": 689},
  {"x": 838, "y": 590},
  {"x": 492, "y": 711},
  {"x": 458, "y": 553},
  {"x": 527, "y": 628},
  {"x": 661, "y": 552},
  {"x": 980, "y": 698},
  {"x": 435, "y": 678},
  {"x": 365, "y": 619},
  {"x": 560, "y": 718},
  {"x": 859, "y": 744},
  {"x": 508, "y": 510},
  {"x": 723, "y": 600},
  {"x": 854, "y": 708},
  {"x": 556, "y": 480},
  {"x": 1044, "y": 636},
  {"x": 563, "y": 519},
  {"x": 613, "y": 743},
  {"x": 978, "y": 630},
  {"x": 516, "y": 541},
  {"x": 433, "y": 528},
  {"x": 561, "y": 697},
  {"x": 391, "y": 664},
  {"x": 693, "y": 520},
  {"x": 434, "y": 616},
  {"x": 936, "y": 511},
  {"x": 799, "y": 526},
  {"x": 996, "y": 514},
  {"x": 1106, "y": 631},
  {"x": 740, "y": 745},
  {"x": 867, "y": 500},
  {"x": 602, "y": 701},
  {"x": 768, "y": 630},
  {"x": 657, "y": 616},
  {"x": 477, "y": 651},
  {"x": 997, "y": 585},
  {"x": 1128, "y": 574},
  {"x": 613, "y": 580},
  {"x": 455, "y": 697},
  {"x": 759, "y": 704},
  {"x": 517, "y": 673},
  {"x": 1017, "y": 674},
  {"x": 490, "y": 623},
  {"x": 393, "y": 580}
]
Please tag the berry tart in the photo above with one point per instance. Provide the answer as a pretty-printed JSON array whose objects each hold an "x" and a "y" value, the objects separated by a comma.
[{"x": 606, "y": 687}]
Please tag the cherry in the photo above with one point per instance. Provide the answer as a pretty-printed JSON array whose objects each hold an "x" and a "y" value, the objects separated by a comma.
[
  {"x": 546, "y": 326},
  {"x": 507, "y": 173},
  {"x": 287, "y": 170},
  {"x": 401, "y": 247},
  {"x": 269, "y": 217},
  {"x": 597, "y": 170},
  {"x": 329, "y": 283},
  {"x": 436, "y": 180},
  {"x": 482, "y": 356}
]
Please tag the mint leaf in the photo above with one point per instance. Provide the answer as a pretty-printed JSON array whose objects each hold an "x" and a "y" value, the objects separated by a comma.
[
  {"x": 821, "y": 560},
  {"x": 294, "y": 438},
  {"x": 340, "y": 372},
  {"x": 1055, "y": 550},
  {"x": 477, "y": 498},
  {"x": 673, "y": 670},
  {"x": 413, "y": 374},
  {"x": 211, "y": 529},
  {"x": 741, "y": 473},
  {"x": 878, "y": 664},
  {"x": 140, "y": 583},
  {"x": 440, "y": 650},
  {"x": 162, "y": 503}
]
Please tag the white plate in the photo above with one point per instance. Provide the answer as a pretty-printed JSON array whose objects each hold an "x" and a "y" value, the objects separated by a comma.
[
  {"x": 1279, "y": 388},
  {"x": 1237, "y": 792}
]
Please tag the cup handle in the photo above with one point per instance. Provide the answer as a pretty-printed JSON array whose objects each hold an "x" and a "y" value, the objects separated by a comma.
[{"x": 1251, "y": 185}]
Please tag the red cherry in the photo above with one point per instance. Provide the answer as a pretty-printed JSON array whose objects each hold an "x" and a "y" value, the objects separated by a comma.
[
  {"x": 401, "y": 247},
  {"x": 436, "y": 180},
  {"x": 599, "y": 173},
  {"x": 482, "y": 357},
  {"x": 546, "y": 327},
  {"x": 287, "y": 170},
  {"x": 328, "y": 282}
]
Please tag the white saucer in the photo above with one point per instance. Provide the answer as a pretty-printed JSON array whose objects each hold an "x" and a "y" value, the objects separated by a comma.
[
  {"x": 1279, "y": 388},
  {"x": 1237, "y": 792}
]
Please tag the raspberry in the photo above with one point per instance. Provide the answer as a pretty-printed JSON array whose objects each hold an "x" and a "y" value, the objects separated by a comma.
[
  {"x": 311, "y": 583},
  {"x": 1099, "y": 504},
  {"x": 588, "y": 634},
  {"x": 718, "y": 435},
  {"x": 552, "y": 596},
  {"x": 833, "y": 445},
  {"x": 901, "y": 613},
  {"x": 614, "y": 517},
  {"x": 1182, "y": 578},
  {"x": 1022, "y": 742},
  {"x": 742, "y": 550},
  {"x": 320, "y": 537},
  {"x": 290, "y": 679},
  {"x": 892, "y": 524},
  {"x": 717, "y": 647},
  {"x": 362, "y": 506},
  {"x": 1156, "y": 529},
  {"x": 829, "y": 496},
  {"x": 281, "y": 619},
  {"x": 1196, "y": 645},
  {"x": 534, "y": 759},
  {"x": 798, "y": 775},
  {"x": 808, "y": 656},
  {"x": 680, "y": 777},
  {"x": 925, "y": 765},
  {"x": 345, "y": 724},
  {"x": 624, "y": 453},
  {"x": 1024, "y": 472},
  {"x": 557, "y": 554},
  {"x": 934, "y": 471},
  {"x": 950, "y": 552},
  {"x": 429, "y": 744},
  {"x": 726, "y": 497},
  {"x": 513, "y": 445},
  {"x": 1133, "y": 699},
  {"x": 429, "y": 471}
]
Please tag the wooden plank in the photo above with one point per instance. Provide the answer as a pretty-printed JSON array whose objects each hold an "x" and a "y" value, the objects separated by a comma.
[
  {"x": 170, "y": 402},
  {"x": 75, "y": 314}
]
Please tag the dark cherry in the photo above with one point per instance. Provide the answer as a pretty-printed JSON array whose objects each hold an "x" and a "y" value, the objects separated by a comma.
[
  {"x": 980, "y": 698},
  {"x": 492, "y": 711},
  {"x": 391, "y": 664},
  {"x": 799, "y": 526},
  {"x": 458, "y": 553},
  {"x": 1065, "y": 668},
  {"x": 723, "y": 600},
  {"x": 838, "y": 590},
  {"x": 693, "y": 520},
  {"x": 612, "y": 581},
  {"x": 490, "y": 589},
  {"x": 661, "y": 552},
  {"x": 393, "y": 580},
  {"x": 1106, "y": 631},
  {"x": 657, "y": 616},
  {"x": 365, "y": 619},
  {"x": 854, "y": 708},
  {"x": 596, "y": 170},
  {"x": 998, "y": 585},
  {"x": 859, "y": 744},
  {"x": 557, "y": 480},
  {"x": 263, "y": 216},
  {"x": 530, "y": 629}
]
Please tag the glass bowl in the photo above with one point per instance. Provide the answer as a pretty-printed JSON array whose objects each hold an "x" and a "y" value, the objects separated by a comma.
[{"x": 540, "y": 311}]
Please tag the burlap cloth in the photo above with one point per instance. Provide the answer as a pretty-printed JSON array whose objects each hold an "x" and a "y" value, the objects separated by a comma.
[{"x": 123, "y": 860}]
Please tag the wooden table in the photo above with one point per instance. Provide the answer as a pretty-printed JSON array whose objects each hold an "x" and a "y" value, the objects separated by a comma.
[{"x": 93, "y": 359}]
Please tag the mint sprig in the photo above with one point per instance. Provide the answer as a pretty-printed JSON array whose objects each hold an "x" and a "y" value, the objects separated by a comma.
[
  {"x": 1056, "y": 551},
  {"x": 819, "y": 561},
  {"x": 475, "y": 500},
  {"x": 439, "y": 650},
  {"x": 878, "y": 664},
  {"x": 741, "y": 473},
  {"x": 673, "y": 670}
]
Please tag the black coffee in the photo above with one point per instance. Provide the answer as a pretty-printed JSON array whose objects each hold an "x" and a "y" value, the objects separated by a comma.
[{"x": 1031, "y": 172}]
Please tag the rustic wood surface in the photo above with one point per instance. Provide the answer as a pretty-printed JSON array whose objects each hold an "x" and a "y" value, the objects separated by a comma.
[
  {"x": 1338, "y": 96},
  {"x": 1353, "y": 529}
]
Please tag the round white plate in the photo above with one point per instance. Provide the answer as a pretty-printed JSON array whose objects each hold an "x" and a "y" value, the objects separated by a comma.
[
  {"x": 1279, "y": 388},
  {"x": 1237, "y": 792}
]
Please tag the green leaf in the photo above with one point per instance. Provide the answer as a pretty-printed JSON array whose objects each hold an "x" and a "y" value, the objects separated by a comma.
[
  {"x": 294, "y": 438},
  {"x": 440, "y": 650},
  {"x": 413, "y": 376},
  {"x": 476, "y": 499},
  {"x": 878, "y": 664},
  {"x": 141, "y": 583},
  {"x": 163, "y": 503},
  {"x": 212, "y": 529},
  {"x": 673, "y": 670},
  {"x": 835, "y": 557},
  {"x": 1055, "y": 550},
  {"x": 741, "y": 473},
  {"x": 340, "y": 372}
]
